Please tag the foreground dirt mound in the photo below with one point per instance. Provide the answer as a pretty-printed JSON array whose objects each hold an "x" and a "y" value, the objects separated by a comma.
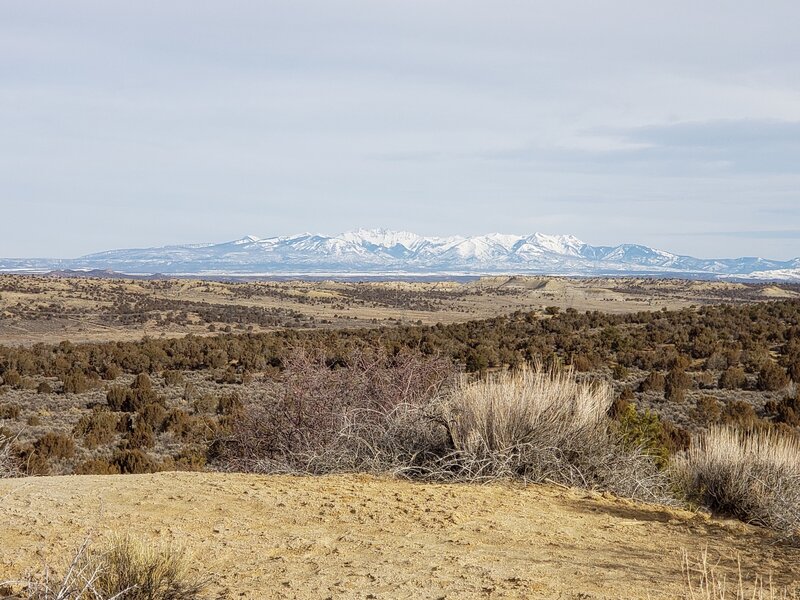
[{"x": 364, "y": 537}]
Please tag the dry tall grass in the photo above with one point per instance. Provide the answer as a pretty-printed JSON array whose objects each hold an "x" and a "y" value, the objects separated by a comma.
[
  {"x": 127, "y": 570},
  {"x": 751, "y": 475},
  {"x": 545, "y": 426},
  {"x": 8, "y": 463},
  {"x": 705, "y": 580},
  {"x": 505, "y": 413}
]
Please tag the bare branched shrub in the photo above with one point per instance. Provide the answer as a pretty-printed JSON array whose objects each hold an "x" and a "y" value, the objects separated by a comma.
[
  {"x": 126, "y": 570},
  {"x": 750, "y": 475},
  {"x": 545, "y": 426},
  {"x": 336, "y": 415}
]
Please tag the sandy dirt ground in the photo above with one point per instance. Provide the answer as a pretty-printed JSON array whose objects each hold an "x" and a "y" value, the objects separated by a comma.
[{"x": 365, "y": 537}]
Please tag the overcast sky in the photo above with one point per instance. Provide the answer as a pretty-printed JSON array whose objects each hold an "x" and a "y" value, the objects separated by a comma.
[{"x": 139, "y": 123}]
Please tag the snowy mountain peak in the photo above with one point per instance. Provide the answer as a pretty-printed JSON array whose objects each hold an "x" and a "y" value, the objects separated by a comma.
[
  {"x": 386, "y": 252},
  {"x": 385, "y": 238},
  {"x": 248, "y": 239},
  {"x": 559, "y": 244}
]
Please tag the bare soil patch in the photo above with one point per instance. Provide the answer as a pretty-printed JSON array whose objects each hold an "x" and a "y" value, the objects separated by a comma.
[{"x": 366, "y": 537}]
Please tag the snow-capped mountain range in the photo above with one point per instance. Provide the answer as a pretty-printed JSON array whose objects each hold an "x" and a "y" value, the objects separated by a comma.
[{"x": 384, "y": 252}]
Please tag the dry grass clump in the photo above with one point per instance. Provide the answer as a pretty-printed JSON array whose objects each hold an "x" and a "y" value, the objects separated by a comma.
[
  {"x": 545, "y": 426},
  {"x": 750, "y": 475},
  {"x": 9, "y": 466},
  {"x": 126, "y": 570},
  {"x": 705, "y": 580}
]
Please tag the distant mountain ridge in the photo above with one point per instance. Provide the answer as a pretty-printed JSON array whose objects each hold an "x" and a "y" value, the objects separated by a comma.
[{"x": 386, "y": 252}]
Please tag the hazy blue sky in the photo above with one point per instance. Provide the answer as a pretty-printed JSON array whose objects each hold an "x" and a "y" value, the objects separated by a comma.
[{"x": 136, "y": 123}]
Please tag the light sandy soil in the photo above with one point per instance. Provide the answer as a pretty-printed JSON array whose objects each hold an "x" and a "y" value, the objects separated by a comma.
[{"x": 365, "y": 537}]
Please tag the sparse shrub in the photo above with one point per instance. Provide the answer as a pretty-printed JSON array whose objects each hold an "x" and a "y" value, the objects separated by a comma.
[
  {"x": 111, "y": 372},
  {"x": 76, "y": 383},
  {"x": 179, "y": 423},
  {"x": 9, "y": 411},
  {"x": 134, "y": 461},
  {"x": 619, "y": 372},
  {"x": 750, "y": 475},
  {"x": 705, "y": 380},
  {"x": 581, "y": 363},
  {"x": 142, "y": 436},
  {"x": 152, "y": 415},
  {"x": 793, "y": 370},
  {"x": 97, "y": 428},
  {"x": 186, "y": 460},
  {"x": 741, "y": 414},
  {"x": 654, "y": 382},
  {"x": 142, "y": 382},
  {"x": 12, "y": 378},
  {"x": 207, "y": 403},
  {"x": 125, "y": 423},
  {"x": 229, "y": 404},
  {"x": 788, "y": 410},
  {"x": 34, "y": 420},
  {"x": 173, "y": 378},
  {"x": 707, "y": 409},
  {"x": 733, "y": 378},
  {"x": 675, "y": 385},
  {"x": 772, "y": 377},
  {"x": 716, "y": 362},
  {"x": 96, "y": 466},
  {"x": 115, "y": 397},
  {"x": 55, "y": 445}
]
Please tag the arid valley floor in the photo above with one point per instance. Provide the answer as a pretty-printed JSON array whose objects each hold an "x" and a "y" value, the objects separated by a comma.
[{"x": 119, "y": 425}]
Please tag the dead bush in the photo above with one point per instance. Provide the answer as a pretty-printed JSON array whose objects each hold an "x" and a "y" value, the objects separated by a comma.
[{"x": 329, "y": 412}]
